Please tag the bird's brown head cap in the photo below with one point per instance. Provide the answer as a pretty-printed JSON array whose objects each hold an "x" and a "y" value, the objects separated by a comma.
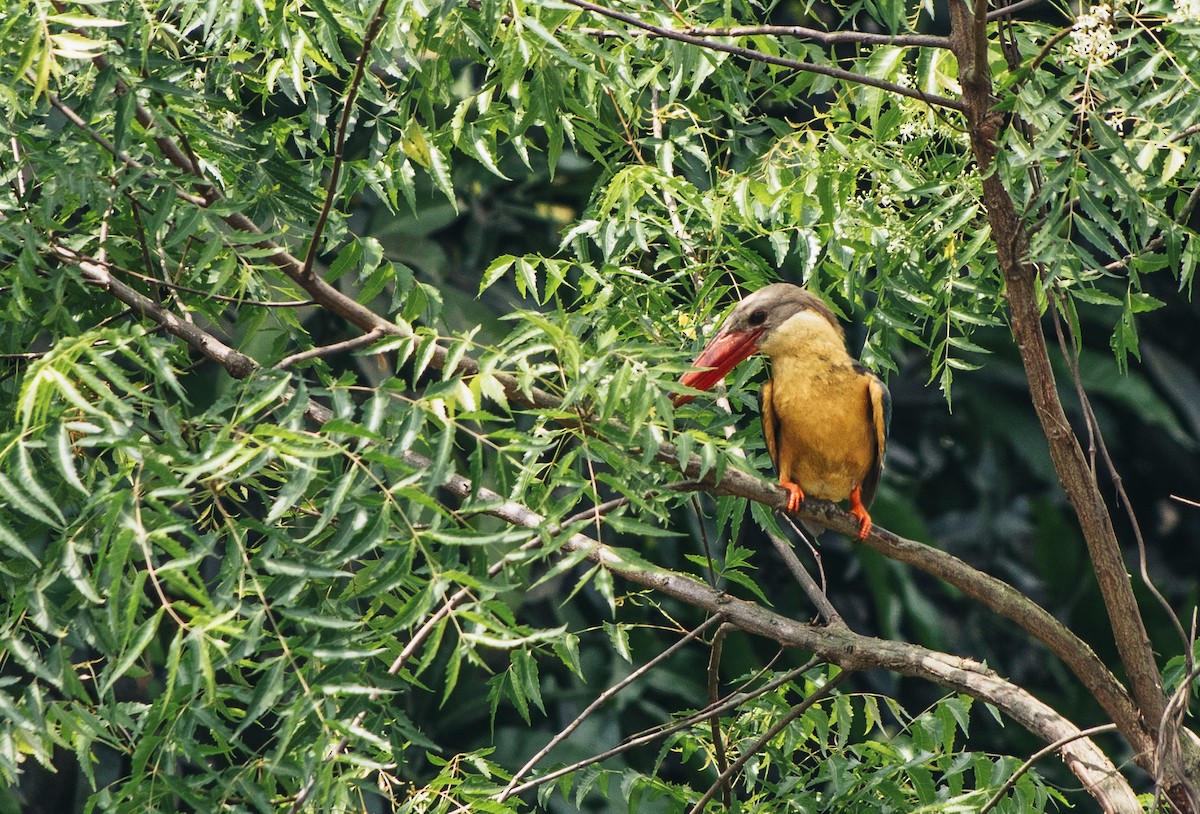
[
  {"x": 770, "y": 307},
  {"x": 747, "y": 327}
]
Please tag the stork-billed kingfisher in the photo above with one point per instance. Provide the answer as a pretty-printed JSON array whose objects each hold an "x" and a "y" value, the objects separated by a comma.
[{"x": 825, "y": 417}]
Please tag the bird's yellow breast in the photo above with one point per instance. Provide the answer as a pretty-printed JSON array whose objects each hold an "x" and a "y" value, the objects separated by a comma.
[{"x": 818, "y": 409}]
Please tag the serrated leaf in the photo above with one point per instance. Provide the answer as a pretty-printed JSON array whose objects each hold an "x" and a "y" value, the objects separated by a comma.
[
  {"x": 496, "y": 271},
  {"x": 133, "y": 651},
  {"x": 23, "y": 503},
  {"x": 10, "y": 540}
]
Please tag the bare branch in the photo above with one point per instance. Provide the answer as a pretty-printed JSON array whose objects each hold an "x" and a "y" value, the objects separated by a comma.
[
  {"x": 1012, "y": 243},
  {"x": 839, "y": 645},
  {"x": 328, "y": 350},
  {"x": 825, "y": 37},
  {"x": 811, "y": 589},
  {"x": 599, "y": 701},
  {"x": 1097, "y": 434},
  {"x": 1038, "y": 755},
  {"x": 714, "y": 721},
  {"x": 833, "y": 643},
  {"x": 775, "y": 728},
  {"x": 1169, "y": 751},
  {"x": 1013, "y": 8},
  {"x": 996, "y": 594},
  {"x": 339, "y": 148},
  {"x": 770, "y": 59}
]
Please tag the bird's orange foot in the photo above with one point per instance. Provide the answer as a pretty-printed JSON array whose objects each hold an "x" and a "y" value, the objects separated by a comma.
[
  {"x": 795, "y": 495},
  {"x": 860, "y": 511}
]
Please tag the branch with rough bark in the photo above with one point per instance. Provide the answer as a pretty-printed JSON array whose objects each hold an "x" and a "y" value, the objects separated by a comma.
[
  {"x": 969, "y": 44},
  {"x": 1138, "y": 721},
  {"x": 833, "y": 642},
  {"x": 711, "y": 44}
]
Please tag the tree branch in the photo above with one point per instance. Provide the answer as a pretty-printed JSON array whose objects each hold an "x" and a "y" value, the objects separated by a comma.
[
  {"x": 834, "y": 643},
  {"x": 1012, "y": 244},
  {"x": 996, "y": 594},
  {"x": 770, "y": 59},
  {"x": 825, "y": 37},
  {"x": 811, "y": 589},
  {"x": 354, "y": 343},
  {"x": 599, "y": 701},
  {"x": 343, "y": 129},
  {"x": 1011, "y": 9},
  {"x": 839, "y": 645},
  {"x": 780, "y": 724},
  {"x": 1049, "y": 748},
  {"x": 798, "y": 32}
]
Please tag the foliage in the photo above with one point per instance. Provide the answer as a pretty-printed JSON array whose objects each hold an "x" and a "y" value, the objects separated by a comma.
[{"x": 215, "y": 602}]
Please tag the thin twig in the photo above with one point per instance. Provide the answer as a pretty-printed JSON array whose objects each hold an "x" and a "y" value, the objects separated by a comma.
[
  {"x": 776, "y": 728},
  {"x": 801, "y": 529},
  {"x": 794, "y": 31},
  {"x": 410, "y": 649},
  {"x": 354, "y": 343},
  {"x": 651, "y": 735},
  {"x": 771, "y": 59},
  {"x": 1190, "y": 130},
  {"x": 807, "y": 583},
  {"x": 339, "y": 149},
  {"x": 714, "y": 694},
  {"x": 1168, "y": 747},
  {"x": 1038, "y": 755},
  {"x": 1095, "y": 433},
  {"x": 602, "y": 699},
  {"x": 825, "y": 37},
  {"x": 1013, "y": 8}
]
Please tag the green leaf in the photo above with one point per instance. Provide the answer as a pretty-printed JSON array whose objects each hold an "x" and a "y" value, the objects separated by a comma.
[
  {"x": 131, "y": 653},
  {"x": 19, "y": 500}
]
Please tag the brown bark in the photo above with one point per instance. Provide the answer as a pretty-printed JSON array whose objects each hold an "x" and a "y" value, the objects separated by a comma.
[{"x": 969, "y": 44}]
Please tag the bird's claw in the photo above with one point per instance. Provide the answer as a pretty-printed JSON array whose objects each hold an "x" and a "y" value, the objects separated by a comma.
[
  {"x": 795, "y": 495},
  {"x": 864, "y": 522},
  {"x": 860, "y": 511}
]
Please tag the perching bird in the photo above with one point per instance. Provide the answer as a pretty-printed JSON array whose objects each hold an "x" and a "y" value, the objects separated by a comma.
[{"x": 825, "y": 417}]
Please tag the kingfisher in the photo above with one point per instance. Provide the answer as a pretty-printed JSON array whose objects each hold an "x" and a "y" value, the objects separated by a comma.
[{"x": 825, "y": 417}]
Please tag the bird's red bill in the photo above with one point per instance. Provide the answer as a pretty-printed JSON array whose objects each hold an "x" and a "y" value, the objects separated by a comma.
[{"x": 722, "y": 355}]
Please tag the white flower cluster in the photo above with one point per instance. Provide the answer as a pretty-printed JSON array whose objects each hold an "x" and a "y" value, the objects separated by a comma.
[
  {"x": 917, "y": 127},
  {"x": 1185, "y": 11},
  {"x": 1091, "y": 36}
]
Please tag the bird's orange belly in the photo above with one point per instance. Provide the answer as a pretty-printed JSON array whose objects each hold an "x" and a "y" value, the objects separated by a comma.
[{"x": 826, "y": 441}]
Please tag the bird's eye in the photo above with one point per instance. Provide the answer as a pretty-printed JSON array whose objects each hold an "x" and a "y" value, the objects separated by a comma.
[{"x": 758, "y": 316}]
